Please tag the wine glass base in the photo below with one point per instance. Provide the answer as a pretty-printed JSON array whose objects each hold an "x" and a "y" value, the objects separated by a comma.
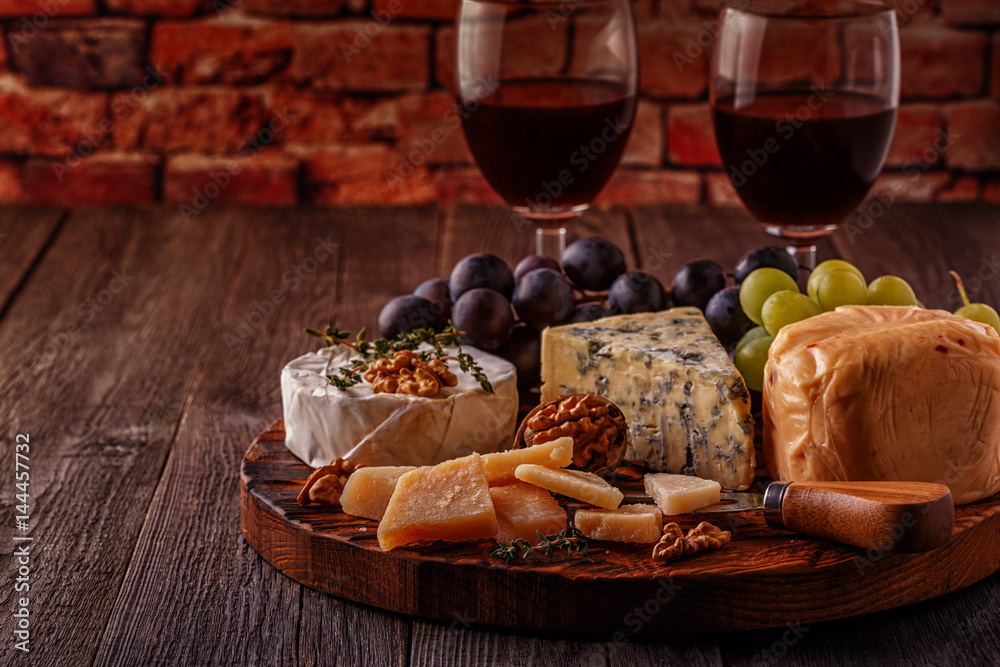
[
  {"x": 550, "y": 219},
  {"x": 800, "y": 240}
]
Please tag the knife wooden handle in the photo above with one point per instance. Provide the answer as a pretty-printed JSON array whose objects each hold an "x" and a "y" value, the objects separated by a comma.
[{"x": 904, "y": 517}]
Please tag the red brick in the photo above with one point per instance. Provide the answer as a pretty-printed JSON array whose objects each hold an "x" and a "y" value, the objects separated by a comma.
[
  {"x": 673, "y": 63},
  {"x": 939, "y": 62},
  {"x": 971, "y": 11},
  {"x": 691, "y": 136},
  {"x": 962, "y": 188},
  {"x": 911, "y": 13},
  {"x": 918, "y": 127},
  {"x": 10, "y": 182},
  {"x": 991, "y": 192},
  {"x": 315, "y": 117},
  {"x": 435, "y": 10},
  {"x": 304, "y": 8},
  {"x": 25, "y": 11},
  {"x": 172, "y": 8},
  {"x": 238, "y": 51},
  {"x": 634, "y": 186},
  {"x": 97, "y": 53},
  {"x": 109, "y": 178},
  {"x": 430, "y": 128},
  {"x": 444, "y": 57},
  {"x": 342, "y": 56},
  {"x": 645, "y": 143},
  {"x": 464, "y": 185},
  {"x": 920, "y": 186},
  {"x": 264, "y": 179},
  {"x": 995, "y": 68},
  {"x": 209, "y": 120},
  {"x": 4, "y": 65},
  {"x": 720, "y": 190},
  {"x": 368, "y": 174},
  {"x": 49, "y": 122},
  {"x": 973, "y": 126}
]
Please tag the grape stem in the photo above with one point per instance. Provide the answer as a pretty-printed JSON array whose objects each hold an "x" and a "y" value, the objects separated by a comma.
[{"x": 961, "y": 287}]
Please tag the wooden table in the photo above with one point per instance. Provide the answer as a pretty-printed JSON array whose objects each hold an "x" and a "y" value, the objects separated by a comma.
[{"x": 141, "y": 354}]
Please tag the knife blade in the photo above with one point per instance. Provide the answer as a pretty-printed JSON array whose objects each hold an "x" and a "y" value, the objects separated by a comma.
[{"x": 904, "y": 517}]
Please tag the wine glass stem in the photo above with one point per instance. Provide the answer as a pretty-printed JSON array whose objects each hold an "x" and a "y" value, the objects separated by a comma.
[
  {"x": 550, "y": 242},
  {"x": 804, "y": 254}
]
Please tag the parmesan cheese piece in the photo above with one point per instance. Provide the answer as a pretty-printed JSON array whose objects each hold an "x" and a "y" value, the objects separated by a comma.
[
  {"x": 368, "y": 490},
  {"x": 628, "y": 523},
  {"x": 585, "y": 486},
  {"x": 499, "y": 467},
  {"x": 523, "y": 509},
  {"x": 450, "y": 501},
  {"x": 680, "y": 494},
  {"x": 885, "y": 393}
]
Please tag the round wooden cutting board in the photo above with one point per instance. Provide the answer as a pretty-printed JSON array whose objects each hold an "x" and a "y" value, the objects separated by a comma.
[{"x": 763, "y": 578}]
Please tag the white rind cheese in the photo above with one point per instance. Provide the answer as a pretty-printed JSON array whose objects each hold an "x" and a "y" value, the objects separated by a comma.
[
  {"x": 323, "y": 422},
  {"x": 686, "y": 406}
]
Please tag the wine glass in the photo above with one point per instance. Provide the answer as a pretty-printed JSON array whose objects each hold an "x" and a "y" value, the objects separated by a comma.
[
  {"x": 547, "y": 96},
  {"x": 804, "y": 96}
]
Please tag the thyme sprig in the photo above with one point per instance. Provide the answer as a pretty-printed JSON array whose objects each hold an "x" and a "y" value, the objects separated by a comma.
[
  {"x": 571, "y": 540},
  {"x": 382, "y": 348}
]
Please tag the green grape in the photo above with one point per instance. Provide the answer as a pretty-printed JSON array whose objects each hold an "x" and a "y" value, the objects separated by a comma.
[
  {"x": 787, "y": 307},
  {"x": 761, "y": 284},
  {"x": 826, "y": 267},
  {"x": 891, "y": 291},
  {"x": 840, "y": 288},
  {"x": 750, "y": 360},
  {"x": 980, "y": 312},
  {"x": 753, "y": 334}
]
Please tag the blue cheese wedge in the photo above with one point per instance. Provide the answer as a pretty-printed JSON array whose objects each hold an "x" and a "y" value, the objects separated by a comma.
[
  {"x": 379, "y": 429},
  {"x": 686, "y": 406}
]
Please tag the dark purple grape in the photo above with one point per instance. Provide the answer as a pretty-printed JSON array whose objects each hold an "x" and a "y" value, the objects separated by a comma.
[
  {"x": 593, "y": 263},
  {"x": 696, "y": 282},
  {"x": 532, "y": 262},
  {"x": 485, "y": 317},
  {"x": 437, "y": 291},
  {"x": 524, "y": 350},
  {"x": 589, "y": 312},
  {"x": 772, "y": 256},
  {"x": 481, "y": 270},
  {"x": 543, "y": 297},
  {"x": 636, "y": 292},
  {"x": 406, "y": 313},
  {"x": 726, "y": 317}
]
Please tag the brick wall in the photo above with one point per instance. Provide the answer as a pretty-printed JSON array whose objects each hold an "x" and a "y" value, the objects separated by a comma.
[{"x": 282, "y": 101}]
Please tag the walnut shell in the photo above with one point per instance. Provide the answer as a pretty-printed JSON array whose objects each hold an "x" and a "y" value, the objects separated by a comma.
[{"x": 596, "y": 425}]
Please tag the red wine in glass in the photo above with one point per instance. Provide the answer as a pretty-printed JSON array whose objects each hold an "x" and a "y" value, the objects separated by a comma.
[
  {"x": 803, "y": 158},
  {"x": 550, "y": 143}
]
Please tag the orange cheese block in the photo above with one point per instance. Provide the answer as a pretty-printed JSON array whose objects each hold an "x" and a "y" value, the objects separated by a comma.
[
  {"x": 628, "y": 523},
  {"x": 585, "y": 486},
  {"x": 523, "y": 509},
  {"x": 368, "y": 490},
  {"x": 450, "y": 501},
  {"x": 499, "y": 467}
]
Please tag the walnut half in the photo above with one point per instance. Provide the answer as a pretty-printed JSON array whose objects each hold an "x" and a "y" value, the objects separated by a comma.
[
  {"x": 703, "y": 537},
  {"x": 596, "y": 425},
  {"x": 326, "y": 484},
  {"x": 405, "y": 373}
]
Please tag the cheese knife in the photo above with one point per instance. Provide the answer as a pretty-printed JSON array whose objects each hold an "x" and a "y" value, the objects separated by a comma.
[{"x": 904, "y": 517}]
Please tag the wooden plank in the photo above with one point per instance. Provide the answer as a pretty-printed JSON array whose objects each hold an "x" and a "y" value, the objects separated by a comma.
[
  {"x": 25, "y": 231},
  {"x": 459, "y": 643},
  {"x": 222, "y": 603},
  {"x": 100, "y": 350},
  {"x": 920, "y": 243}
]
